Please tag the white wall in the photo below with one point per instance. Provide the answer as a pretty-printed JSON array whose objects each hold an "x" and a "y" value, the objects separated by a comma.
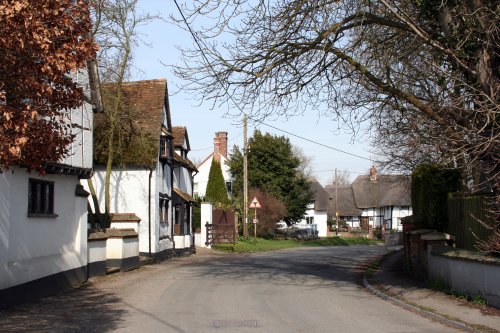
[
  {"x": 130, "y": 194},
  {"x": 466, "y": 276},
  {"x": 206, "y": 217},
  {"x": 32, "y": 248},
  {"x": 80, "y": 151},
  {"x": 320, "y": 218},
  {"x": 183, "y": 179}
]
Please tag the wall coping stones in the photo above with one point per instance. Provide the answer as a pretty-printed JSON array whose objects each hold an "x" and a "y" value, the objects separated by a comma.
[
  {"x": 433, "y": 236},
  {"x": 97, "y": 235},
  {"x": 460, "y": 254},
  {"x": 121, "y": 233},
  {"x": 124, "y": 217},
  {"x": 421, "y": 231}
]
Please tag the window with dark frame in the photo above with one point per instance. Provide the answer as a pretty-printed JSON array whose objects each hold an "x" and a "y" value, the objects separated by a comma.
[
  {"x": 40, "y": 197},
  {"x": 163, "y": 210},
  {"x": 164, "y": 147}
]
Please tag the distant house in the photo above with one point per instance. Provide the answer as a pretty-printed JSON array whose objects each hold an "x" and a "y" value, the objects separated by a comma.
[
  {"x": 373, "y": 200},
  {"x": 142, "y": 175},
  {"x": 341, "y": 200},
  {"x": 219, "y": 154},
  {"x": 183, "y": 192},
  {"x": 383, "y": 199},
  {"x": 43, "y": 219},
  {"x": 317, "y": 211}
]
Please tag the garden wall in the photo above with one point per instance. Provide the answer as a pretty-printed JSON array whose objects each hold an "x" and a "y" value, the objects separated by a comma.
[{"x": 467, "y": 272}]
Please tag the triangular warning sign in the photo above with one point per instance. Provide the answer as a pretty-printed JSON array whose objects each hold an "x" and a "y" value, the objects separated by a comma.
[{"x": 255, "y": 203}]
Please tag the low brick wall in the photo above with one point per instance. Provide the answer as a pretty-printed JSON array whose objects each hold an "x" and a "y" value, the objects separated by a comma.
[
  {"x": 122, "y": 249},
  {"x": 467, "y": 272}
]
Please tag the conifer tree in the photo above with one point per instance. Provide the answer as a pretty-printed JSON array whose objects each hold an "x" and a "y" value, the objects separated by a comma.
[{"x": 216, "y": 187}]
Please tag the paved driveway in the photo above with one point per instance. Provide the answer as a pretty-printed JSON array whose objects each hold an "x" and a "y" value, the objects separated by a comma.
[{"x": 295, "y": 290}]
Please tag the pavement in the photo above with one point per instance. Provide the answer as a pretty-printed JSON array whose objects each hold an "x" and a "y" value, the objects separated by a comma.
[{"x": 391, "y": 283}]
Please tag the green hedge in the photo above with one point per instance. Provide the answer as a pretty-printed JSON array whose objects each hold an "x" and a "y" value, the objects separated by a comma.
[{"x": 429, "y": 194}]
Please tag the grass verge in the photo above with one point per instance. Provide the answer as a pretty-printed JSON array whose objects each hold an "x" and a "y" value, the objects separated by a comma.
[{"x": 261, "y": 244}]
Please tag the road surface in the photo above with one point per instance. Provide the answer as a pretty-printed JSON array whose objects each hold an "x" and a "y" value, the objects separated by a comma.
[{"x": 295, "y": 290}]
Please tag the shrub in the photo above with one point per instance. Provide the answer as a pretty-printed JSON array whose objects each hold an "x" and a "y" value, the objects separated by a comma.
[{"x": 430, "y": 186}]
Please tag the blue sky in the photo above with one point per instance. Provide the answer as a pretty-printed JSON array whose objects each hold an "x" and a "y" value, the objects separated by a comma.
[{"x": 150, "y": 62}]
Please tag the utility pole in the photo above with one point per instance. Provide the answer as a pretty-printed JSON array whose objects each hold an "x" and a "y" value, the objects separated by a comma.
[
  {"x": 245, "y": 178},
  {"x": 336, "y": 209}
]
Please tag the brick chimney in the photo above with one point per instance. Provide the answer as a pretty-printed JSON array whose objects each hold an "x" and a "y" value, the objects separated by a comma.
[
  {"x": 373, "y": 173},
  {"x": 220, "y": 145}
]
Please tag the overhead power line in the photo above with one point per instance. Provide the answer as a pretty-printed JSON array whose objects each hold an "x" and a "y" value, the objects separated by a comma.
[
  {"x": 318, "y": 143},
  {"x": 198, "y": 43}
]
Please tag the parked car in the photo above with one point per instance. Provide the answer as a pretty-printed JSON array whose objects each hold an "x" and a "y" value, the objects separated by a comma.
[{"x": 281, "y": 225}]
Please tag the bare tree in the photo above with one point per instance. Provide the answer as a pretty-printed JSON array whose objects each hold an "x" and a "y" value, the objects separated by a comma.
[
  {"x": 305, "y": 167},
  {"x": 423, "y": 74},
  {"x": 342, "y": 179},
  {"x": 115, "y": 30}
]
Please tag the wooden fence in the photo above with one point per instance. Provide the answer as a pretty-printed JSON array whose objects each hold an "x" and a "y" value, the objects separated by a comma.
[
  {"x": 222, "y": 230},
  {"x": 465, "y": 211}
]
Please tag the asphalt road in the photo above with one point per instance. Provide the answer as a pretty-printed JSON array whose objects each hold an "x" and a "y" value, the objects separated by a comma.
[{"x": 296, "y": 290}]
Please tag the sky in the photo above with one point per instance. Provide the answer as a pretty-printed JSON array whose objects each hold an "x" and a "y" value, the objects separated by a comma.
[{"x": 158, "y": 50}]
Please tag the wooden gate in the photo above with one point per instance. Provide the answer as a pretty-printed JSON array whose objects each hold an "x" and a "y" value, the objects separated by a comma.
[{"x": 222, "y": 229}]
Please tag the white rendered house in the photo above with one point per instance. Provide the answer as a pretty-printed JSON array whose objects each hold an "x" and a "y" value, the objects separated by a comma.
[
  {"x": 317, "y": 211},
  {"x": 43, "y": 219},
  {"x": 219, "y": 154},
  {"x": 141, "y": 180}
]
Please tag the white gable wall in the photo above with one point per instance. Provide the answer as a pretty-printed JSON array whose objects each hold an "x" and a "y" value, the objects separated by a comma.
[{"x": 319, "y": 219}]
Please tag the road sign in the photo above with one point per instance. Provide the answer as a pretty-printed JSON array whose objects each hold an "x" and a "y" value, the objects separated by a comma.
[
  {"x": 255, "y": 203},
  {"x": 255, "y": 221}
]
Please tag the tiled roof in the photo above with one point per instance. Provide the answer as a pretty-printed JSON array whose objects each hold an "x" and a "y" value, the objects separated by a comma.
[
  {"x": 142, "y": 103},
  {"x": 180, "y": 134},
  {"x": 185, "y": 196}
]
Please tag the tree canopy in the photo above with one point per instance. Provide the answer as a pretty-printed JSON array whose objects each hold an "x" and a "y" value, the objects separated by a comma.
[
  {"x": 274, "y": 169},
  {"x": 41, "y": 43},
  {"x": 424, "y": 74}
]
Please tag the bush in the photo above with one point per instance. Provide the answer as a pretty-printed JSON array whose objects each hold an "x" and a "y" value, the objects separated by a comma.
[{"x": 430, "y": 186}]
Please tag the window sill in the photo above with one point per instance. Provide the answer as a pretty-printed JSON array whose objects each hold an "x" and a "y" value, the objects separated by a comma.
[{"x": 53, "y": 216}]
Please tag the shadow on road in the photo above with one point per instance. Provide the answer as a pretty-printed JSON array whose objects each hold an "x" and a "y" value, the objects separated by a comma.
[
  {"x": 83, "y": 309},
  {"x": 330, "y": 267}
]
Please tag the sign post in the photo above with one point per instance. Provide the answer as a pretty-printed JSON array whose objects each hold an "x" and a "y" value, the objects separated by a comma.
[{"x": 255, "y": 205}]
